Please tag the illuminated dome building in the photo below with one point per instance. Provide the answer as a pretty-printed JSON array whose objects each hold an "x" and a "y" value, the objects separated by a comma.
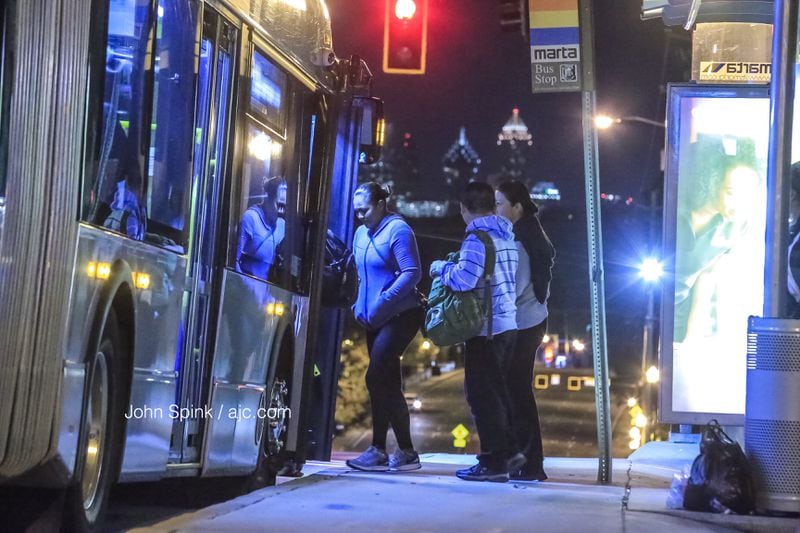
[{"x": 515, "y": 141}]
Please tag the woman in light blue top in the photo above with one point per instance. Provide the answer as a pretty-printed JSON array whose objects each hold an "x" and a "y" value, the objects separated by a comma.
[{"x": 389, "y": 269}]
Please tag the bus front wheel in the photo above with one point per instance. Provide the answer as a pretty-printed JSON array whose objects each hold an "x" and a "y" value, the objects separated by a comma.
[{"x": 102, "y": 431}]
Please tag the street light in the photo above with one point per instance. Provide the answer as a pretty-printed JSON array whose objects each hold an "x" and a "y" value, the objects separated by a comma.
[
  {"x": 604, "y": 122},
  {"x": 651, "y": 270}
]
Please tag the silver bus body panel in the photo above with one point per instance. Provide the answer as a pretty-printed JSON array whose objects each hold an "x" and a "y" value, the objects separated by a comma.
[
  {"x": 251, "y": 317},
  {"x": 301, "y": 304},
  {"x": 148, "y": 431},
  {"x": 72, "y": 387},
  {"x": 156, "y": 325}
]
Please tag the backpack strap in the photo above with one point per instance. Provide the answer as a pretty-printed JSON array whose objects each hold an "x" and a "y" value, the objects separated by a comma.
[{"x": 488, "y": 271}]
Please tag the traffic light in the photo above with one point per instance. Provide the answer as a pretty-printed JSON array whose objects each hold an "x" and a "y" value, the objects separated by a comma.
[
  {"x": 513, "y": 16},
  {"x": 405, "y": 36}
]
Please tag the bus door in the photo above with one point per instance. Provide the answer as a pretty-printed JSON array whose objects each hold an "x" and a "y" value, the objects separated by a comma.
[{"x": 215, "y": 80}]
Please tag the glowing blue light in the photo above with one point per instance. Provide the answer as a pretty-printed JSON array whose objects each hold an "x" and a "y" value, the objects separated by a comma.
[{"x": 651, "y": 269}]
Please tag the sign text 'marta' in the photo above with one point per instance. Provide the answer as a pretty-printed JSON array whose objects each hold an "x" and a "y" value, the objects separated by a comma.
[{"x": 554, "y": 54}]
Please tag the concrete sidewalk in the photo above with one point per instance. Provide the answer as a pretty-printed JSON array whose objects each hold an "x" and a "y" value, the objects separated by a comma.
[{"x": 332, "y": 497}]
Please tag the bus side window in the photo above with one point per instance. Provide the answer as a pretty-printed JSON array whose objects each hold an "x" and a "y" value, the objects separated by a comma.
[
  {"x": 268, "y": 243},
  {"x": 113, "y": 196},
  {"x": 143, "y": 170}
]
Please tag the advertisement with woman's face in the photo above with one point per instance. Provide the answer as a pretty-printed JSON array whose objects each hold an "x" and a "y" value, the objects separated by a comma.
[{"x": 716, "y": 211}]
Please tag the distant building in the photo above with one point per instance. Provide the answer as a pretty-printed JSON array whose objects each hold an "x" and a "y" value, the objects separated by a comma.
[
  {"x": 423, "y": 208},
  {"x": 515, "y": 141},
  {"x": 545, "y": 191},
  {"x": 461, "y": 162}
]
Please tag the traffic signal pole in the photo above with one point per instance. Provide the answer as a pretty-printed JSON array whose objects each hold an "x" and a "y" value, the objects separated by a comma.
[{"x": 594, "y": 234}]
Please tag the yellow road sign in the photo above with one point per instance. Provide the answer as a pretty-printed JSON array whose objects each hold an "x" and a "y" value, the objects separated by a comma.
[
  {"x": 460, "y": 432},
  {"x": 460, "y": 443}
]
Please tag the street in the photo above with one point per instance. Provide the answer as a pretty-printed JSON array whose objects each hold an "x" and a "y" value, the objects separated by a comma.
[{"x": 569, "y": 426}]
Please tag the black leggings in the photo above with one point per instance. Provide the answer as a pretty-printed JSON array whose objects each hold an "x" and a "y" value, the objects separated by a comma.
[
  {"x": 384, "y": 377},
  {"x": 525, "y": 415}
]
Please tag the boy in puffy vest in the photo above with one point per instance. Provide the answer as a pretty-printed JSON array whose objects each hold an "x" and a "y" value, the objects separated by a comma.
[{"x": 486, "y": 359}]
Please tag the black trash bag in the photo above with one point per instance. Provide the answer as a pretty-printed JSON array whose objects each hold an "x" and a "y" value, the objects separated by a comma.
[{"x": 720, "y": 479}]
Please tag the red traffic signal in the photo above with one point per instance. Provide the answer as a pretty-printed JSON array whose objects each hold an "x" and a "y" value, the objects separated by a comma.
[{"x": 405, "y": 36}]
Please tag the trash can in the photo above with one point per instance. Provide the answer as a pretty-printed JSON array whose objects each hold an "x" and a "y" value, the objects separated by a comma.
[{"x": 772, "y": 412}]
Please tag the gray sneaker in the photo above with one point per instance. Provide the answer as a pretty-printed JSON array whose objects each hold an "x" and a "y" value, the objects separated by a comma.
[
  {"x": 401, "y": 461},
  {"x": 372, "y": 460}
]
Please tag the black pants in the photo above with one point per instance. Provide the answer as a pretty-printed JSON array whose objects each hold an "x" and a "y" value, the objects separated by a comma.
[
  {"x": 524, "y": 414},
  {"x": 385, "y": 380},
  {"x": 486, "y": 365}
]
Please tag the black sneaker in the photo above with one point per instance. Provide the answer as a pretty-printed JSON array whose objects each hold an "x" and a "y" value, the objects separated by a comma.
[
  {"x": 528, "y": 473},
  {"x": 481, "y": 472},
  {"x": 373, "y": 459},
  {"x": 515, "y": 462}
]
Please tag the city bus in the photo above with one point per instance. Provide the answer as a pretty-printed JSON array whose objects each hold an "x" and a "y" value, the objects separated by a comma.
[{"x": 169, "y": 170}]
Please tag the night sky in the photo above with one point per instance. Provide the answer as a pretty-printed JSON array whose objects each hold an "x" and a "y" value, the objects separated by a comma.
[{"x": 477, "y": 73}]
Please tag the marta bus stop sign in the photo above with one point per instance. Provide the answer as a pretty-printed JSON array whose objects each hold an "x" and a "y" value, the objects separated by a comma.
[{"x": 555, "y": 46}]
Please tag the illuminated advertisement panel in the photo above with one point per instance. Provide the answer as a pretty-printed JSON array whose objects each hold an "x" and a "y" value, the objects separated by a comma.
[{"x": 714, "y": 240}]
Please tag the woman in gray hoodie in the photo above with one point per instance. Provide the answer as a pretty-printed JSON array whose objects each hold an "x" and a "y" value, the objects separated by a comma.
[
  {"x": 389, "y": 269},
  {"x": 536, "y": 254}
]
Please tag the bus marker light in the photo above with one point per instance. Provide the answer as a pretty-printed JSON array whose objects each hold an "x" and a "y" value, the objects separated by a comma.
[
  {"x": 541, "y": 381},
  {"x": 103, "y": 270},
  {"x": 98, "y": 270},
  {"x": 141, "y": 280},
  {"x": 275, "y": 308},
  {"x": 555, "y": 379}
]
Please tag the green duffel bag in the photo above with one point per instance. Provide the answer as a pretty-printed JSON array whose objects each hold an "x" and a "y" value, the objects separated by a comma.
[{"x": 455, "y": 316}]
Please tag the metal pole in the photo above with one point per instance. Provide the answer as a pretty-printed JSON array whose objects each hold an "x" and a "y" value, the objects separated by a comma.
[
  {"x": 648, "y": 336},
  {"x": 784, "y": 46},
  {"x": 594, "y": 234}
]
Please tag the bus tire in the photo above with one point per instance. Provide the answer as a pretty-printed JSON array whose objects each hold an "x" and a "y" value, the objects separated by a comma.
[
  {"x": 102, "y": 431},
  {"x": 272, "y": 455}
]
